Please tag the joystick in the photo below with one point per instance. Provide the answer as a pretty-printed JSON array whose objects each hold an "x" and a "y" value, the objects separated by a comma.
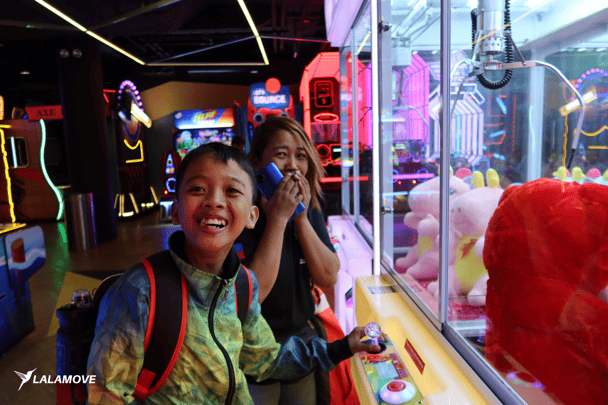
[
  {"x": 397, "y": 392},
  {"x": 372, "y": 330}
]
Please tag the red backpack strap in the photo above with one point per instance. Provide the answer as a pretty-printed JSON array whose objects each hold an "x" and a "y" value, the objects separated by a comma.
[
  {"x": 167, "y": 321},
  {"x": 243, "y": 288}
]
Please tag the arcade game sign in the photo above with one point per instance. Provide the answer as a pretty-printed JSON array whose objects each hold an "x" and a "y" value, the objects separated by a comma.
[
  {"x": 268, "y": 98},
  {"x": 197, "y": 127}
]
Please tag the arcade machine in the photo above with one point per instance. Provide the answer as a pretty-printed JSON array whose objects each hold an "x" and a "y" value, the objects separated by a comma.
[
  {"x": 320, "y": 96},
  {"x": 192, "y": 129},
  {"x": 28, "y": 192},
  {"x": 541, "y": 330},
  {"x": 171, "y": 160},
  {"x": 196, "y": 127},
  {"x": 268, "y": 98},
  {"x": 135, "y": 194},
  {"x": 22, "y": 254}
]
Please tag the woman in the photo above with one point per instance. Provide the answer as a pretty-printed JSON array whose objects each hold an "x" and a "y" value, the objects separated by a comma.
[{"x": 288, "y": 255}]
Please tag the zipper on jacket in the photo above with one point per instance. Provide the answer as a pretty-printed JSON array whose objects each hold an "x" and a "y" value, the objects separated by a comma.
[{"x": 231, "y": 379}]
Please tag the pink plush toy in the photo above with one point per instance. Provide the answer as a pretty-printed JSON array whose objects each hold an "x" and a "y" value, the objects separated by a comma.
[
  {"x": 470, "y": 214},
  {"x": 422, "y": 261}
]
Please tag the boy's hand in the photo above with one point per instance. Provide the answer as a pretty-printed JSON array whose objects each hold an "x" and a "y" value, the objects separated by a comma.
[{"x": 356, "y": 345}]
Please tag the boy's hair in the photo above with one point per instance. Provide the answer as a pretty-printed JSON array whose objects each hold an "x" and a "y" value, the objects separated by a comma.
[
  {"x": 223, "y": 153},
  {"x": 262, "y": 137},
  {"x": 238, "y": 141}
]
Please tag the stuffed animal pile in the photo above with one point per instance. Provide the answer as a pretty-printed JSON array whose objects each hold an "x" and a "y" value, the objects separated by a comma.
[{"x": 546, "y": 253}]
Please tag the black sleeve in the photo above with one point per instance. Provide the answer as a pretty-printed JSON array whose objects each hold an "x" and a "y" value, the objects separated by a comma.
[{"x": 318, "y": 224}]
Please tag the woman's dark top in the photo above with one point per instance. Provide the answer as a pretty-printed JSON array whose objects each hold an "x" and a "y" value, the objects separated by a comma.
[{"x": 290, "y": 304}]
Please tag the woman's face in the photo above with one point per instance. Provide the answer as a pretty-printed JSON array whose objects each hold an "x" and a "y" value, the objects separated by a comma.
[{"x": 285, "y": 151}]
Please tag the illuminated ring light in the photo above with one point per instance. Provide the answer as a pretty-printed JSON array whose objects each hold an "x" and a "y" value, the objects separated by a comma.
[
  {"x": 128, "y": 89},
  {"x": 325, "y": 117},
  {"x": 591, "y": 74},
  {"x": 284, "y": 114},
  {"x": 258, "y": 118},
  {"x": 323, "y": 150},
  {"x": 170, "y": 184}
]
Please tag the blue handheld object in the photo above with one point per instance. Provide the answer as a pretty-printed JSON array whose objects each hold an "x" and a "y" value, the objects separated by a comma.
[{"x": 268, "y": 179}]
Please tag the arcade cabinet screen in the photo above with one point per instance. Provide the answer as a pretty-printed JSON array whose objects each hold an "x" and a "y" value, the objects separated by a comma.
[{"x": 187, "y": 140}]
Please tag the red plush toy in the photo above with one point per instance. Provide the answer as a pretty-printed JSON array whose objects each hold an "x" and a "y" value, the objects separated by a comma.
[{"x": 546, "y": 252}]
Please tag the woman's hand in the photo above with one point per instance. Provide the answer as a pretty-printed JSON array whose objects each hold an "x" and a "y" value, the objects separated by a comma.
[
  {"x": 304, "y": 190},
  {"x": 356, "y": 345},
  {"x": 283, "y": 202}
]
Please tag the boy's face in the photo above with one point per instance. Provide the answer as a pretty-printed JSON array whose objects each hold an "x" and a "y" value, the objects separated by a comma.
[{"x": 213, "y": 206}]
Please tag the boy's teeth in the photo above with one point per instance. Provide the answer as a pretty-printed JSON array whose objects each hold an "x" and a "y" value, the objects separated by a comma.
[{"x": 216, "y": 222}]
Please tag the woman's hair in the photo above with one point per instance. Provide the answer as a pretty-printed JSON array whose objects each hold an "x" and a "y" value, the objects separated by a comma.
[{"x": 263, "y": 135}]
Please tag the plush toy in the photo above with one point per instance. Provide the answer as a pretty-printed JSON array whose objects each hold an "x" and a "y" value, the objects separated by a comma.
[
  {"x": 546, "y": 252},
  {"x": 469, "y": 217},
  {"x": 422, "y": 261}
]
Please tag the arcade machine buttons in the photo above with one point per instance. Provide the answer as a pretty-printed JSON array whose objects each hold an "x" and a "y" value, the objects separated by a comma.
[{"x": 397, "y": 392}]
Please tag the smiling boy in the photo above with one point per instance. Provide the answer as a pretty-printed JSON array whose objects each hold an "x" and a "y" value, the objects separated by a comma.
[{"x": 216, "y": 190}]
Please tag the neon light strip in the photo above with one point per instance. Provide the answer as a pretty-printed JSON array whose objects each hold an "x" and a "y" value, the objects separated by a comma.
[
  {"x": 597, "y": 147},
  {"x": 596, "y": 132},
  {"x": 141, "y": 151},
  {"x": 116, "y": 48},
  {"x": 45, "y": 173},
  {"x": 5, "y": 126},
  {"x": 376, "y": 232},
  {"x": 6, "y": 175},
  {"x": 363, "y": 43},
  {"x": 413, "y": 176},
  {"x": 14, "y": 151},
  {"x": 154, "y": 195},
  {"x": 134, "y": 203},
  {"x": 209, "y": 64},
  {"x": 254, "y": 30},
  {"x": 86, "y": 31},
  {"x": 140, "y": 115},
  {"x": 339, "y": 179},
  {"x": 295, "y": 39}
]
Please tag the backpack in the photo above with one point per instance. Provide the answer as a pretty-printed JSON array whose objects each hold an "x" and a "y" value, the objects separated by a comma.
[{"x": 165, "y": 331}]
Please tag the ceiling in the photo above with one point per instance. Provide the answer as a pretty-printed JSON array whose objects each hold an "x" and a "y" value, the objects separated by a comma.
[{"x": 166, "y": 31}]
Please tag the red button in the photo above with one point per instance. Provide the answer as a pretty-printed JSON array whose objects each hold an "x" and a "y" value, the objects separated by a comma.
[{"x": 396, "y": 386}]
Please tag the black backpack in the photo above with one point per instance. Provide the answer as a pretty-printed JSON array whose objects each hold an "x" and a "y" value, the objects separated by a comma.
[{"x": 165, "y": 333}]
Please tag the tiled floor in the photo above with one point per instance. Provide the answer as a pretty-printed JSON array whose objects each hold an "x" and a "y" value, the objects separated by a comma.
[{"x": 137, "y": 239}]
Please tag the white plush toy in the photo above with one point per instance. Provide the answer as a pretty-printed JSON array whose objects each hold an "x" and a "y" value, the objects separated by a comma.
[
  {"x": 422, "y": 261},
  {"x": 470, "y": 214}
]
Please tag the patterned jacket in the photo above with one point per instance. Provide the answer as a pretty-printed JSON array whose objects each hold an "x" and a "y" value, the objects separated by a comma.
[{"x": 201, "y": 373}]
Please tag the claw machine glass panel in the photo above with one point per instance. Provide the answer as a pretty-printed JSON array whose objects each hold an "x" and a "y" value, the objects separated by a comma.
[{"x": 525, "y": 275}]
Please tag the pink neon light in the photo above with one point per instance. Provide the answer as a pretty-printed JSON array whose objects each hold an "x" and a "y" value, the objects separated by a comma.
[
  {"x": 413, "y": 176},
  {"x": 339, "y": 179}
]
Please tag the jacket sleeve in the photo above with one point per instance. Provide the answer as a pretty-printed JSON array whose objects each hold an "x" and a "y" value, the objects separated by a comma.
[
  {"x": 117, "y": 351},
  {"x": 262, "y": 357}
]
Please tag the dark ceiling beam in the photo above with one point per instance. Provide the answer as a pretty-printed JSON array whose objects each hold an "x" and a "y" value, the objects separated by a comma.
[
  {"x": 36, "y": 25},
  {"x": 133, "y": 13},
  {"x": 202, "y": 50}
]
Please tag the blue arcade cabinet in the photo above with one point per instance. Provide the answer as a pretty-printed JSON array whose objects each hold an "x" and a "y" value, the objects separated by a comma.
[{"x": 22, "y": 253}]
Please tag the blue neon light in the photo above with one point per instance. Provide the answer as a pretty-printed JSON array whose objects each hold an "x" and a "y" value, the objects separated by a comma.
[
  {"x": 495, "y": 134},
  {"x": 502, "y": 105}
]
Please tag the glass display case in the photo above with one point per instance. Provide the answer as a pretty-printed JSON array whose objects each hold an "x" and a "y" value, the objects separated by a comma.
[{"x": 490, "y": 216}]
